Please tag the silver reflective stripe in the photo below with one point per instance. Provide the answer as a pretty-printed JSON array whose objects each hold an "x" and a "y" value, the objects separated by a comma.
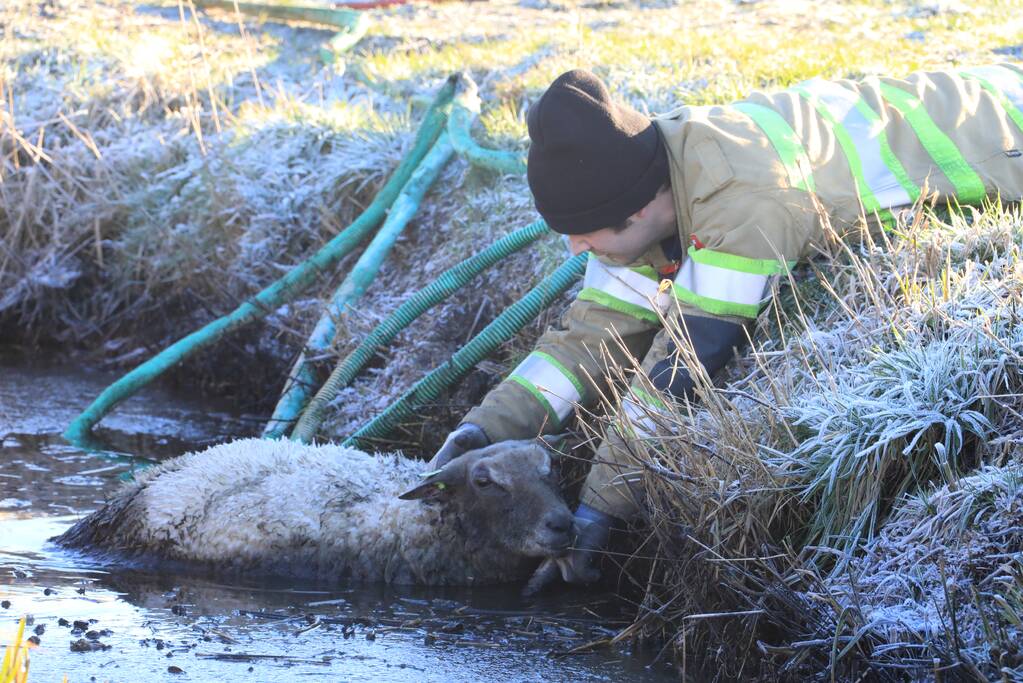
[
  {"x": 627, "y": 285},
  {"x": 559, "y": 390},
  {"x": 640, "y": 418},
  {"x": 1003, "y": 79},
  {"x": 841, "y": 104},
  {"x": 721, "y": 284}
]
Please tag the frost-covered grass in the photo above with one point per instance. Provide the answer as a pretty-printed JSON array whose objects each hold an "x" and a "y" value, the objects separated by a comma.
[
  {"x": 824, "y": 485},
  {"x": 946, "y": 573}
]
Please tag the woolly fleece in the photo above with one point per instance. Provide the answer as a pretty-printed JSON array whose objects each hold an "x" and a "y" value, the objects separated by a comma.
[{"x": 280, "y": 507}]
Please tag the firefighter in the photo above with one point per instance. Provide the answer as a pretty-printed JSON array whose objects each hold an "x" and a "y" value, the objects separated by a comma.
[{"x": 718, "y": 200}]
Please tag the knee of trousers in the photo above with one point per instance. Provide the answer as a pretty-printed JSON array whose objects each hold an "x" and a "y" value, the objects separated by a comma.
[{"x": 615, "y": 482}]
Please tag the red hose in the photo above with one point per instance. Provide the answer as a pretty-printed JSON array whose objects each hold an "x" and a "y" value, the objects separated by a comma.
[{"x": 369, "y": 4}]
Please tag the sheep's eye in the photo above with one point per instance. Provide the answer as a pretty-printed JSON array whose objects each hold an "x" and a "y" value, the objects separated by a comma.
[{"x": 482, "y": 481}]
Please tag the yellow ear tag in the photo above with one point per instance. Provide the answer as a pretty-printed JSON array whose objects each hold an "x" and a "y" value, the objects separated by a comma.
[{"x": 441, "y": 485}]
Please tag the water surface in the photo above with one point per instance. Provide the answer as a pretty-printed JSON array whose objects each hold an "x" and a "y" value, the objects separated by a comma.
[{"x": 152, "y": 625}]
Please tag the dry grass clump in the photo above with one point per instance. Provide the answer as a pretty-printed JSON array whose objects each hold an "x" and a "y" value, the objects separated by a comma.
[
  {"x": 896, "y": 372},
  {"x": 945, "y": 573},
  {"x": 149, "y": 174}
]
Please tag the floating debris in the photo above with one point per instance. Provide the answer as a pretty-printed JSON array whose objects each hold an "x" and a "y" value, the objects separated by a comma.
[{"x": 83, "y": 645}]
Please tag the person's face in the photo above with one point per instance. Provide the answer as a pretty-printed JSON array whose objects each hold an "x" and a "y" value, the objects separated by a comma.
[
  {"x": 624, "y": 246},
  {"x": 646, "y": 227}
]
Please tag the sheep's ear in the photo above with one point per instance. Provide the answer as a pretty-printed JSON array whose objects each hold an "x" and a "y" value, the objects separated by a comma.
[
  {"x": 552, "y": 442},
  {"x": 437, "y": 484}
]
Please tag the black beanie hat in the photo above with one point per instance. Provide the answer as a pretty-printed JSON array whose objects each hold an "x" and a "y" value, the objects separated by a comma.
[{"x": 592, "y": 162}]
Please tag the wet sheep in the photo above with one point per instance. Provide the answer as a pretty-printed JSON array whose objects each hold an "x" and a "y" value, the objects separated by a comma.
[{"x": 278, "y": 507}]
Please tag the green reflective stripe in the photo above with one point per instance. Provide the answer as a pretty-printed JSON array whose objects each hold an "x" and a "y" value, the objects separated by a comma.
[
  {"x": 740, "y": 263},
  {"x": 531, "y": 388},
  {"x": 604, "y": 299},
  {"x": 845, "y": 141},
  {"x": 1014, "y": 113},
  {"x": 783, "y": 139},
  {"x": 860, "y": 134},
  {"x": 890, "y": 160},
  {"x": 647, "y": 271},
  {"x": 563, "y": 370},
  {"x": 716, "y": 306},
  {"x": 969, "y": 188},
  {"x": 887, "y": 220},
  {"x": 652, "y": 400}
]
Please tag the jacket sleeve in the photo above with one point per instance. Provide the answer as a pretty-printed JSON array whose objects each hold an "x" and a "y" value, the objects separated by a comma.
[
  {"x": 742, "y": 241},
  {"x": 567, "y": 365}
]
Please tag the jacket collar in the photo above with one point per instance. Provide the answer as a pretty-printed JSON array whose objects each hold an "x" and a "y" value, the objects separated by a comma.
[{"x": 673, "y": 130}]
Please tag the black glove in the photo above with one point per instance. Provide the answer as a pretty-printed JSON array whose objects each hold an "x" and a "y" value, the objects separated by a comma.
[
  {"x": 466, "y": 437},
  {"x": 579, "y": 565},
  {"x": 714, "y": 342}
]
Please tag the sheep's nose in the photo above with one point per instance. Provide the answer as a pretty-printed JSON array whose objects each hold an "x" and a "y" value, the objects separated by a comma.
[{"x": 559, "y": 522}]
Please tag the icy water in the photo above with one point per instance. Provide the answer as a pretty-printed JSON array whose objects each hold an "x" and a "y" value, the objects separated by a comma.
[{"x": 148, "y": 626}]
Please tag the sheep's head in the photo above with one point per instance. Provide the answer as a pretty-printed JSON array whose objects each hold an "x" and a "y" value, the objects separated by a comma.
[{"x": 506, "y": 495}]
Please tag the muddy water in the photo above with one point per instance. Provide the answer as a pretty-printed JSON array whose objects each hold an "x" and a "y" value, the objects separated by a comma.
[{"x": 146, "y": 625}]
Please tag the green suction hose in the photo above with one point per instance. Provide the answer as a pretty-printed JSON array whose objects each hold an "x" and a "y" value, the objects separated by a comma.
[
  {"x": 440, "y": 289},
  {"x": 503, "y": 328},
  {"x": 344, "y": 40},
  {"x": 281, "y": 291},
  {"x": 303, "y": 376},
  {"x": 466, "y": 107}
]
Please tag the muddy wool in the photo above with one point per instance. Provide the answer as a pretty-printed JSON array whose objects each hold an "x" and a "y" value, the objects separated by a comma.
[{"x": 329, "y": 512}]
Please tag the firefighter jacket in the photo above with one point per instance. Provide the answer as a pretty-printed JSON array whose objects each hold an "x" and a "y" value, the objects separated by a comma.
[{"x": 750, "y": 181}]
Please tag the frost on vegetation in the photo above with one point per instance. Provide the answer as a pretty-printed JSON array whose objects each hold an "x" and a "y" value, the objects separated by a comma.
[
  {"x": 905, "y": 379},
  {"x": 262, "y": 193},
  {"x": 947, "y": 568},
  {"x": 920, "y": 402},
  {"x": 881, "y": 422},
  {"x": 49, "y": 271},
  {"x": 187, "y": 176},
  {"x": 131, "y": 155},
  {"x": 918, "y": 10}
]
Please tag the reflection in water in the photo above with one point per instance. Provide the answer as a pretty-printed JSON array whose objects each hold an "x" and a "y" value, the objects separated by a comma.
[{"x": 225, "y": 628}]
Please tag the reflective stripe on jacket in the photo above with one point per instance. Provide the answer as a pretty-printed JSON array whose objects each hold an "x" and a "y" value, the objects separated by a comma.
[{"x": 749, "y": 181}]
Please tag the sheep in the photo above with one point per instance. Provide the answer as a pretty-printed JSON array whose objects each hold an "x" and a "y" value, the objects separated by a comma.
[{"x": 257, "y": 506}]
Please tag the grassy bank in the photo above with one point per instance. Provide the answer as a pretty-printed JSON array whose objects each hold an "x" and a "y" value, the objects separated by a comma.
[
  {"x": 161, "y": 163},
  {"x": 845, "y": 501},
  {"x": 848, "y": 501}
]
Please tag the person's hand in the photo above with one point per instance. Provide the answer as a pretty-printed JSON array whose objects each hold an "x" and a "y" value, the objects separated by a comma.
[
  {"x": 467, "y": 437},
  {"x": 578, "y": 566}
]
